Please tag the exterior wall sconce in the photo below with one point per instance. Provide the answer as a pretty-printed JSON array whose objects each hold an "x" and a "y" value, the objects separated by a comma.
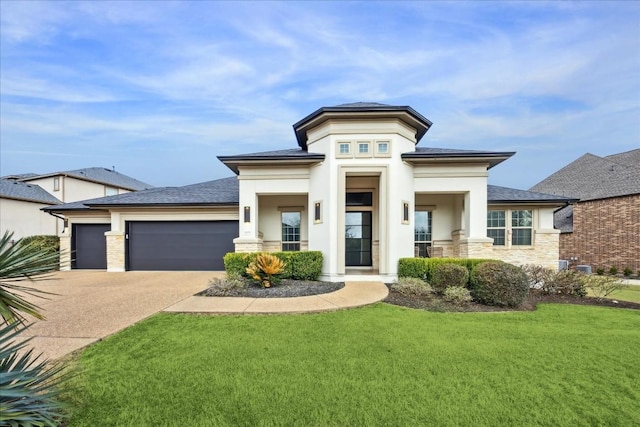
[
  {"x": 317, "y": 215},
  {"x": 247, "y": 214},
  {"x": 405, "y": 212}
]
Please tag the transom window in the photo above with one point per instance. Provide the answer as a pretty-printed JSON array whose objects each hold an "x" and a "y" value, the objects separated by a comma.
[
  {"x": 383, "y": 147},
  {"x": 520, "y": 225},
  {"x": 290, "y": 231},
  {"x": 422, "y": 232},
  {"x": 344, "y": 148},
  {"x": 363, "y": 148}
]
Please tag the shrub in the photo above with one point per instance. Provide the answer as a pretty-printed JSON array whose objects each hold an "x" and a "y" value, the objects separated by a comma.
[
  {"x": 447, "y": 275},
  {"x": 457, "y": 295},
  {"x": 600, "y": 271},
  {"x": 45, "y": 243},
  {"x": 613, "y": 270},
  {"x": 423, "y": 268},
  {"x": 306, "y": 265},
  {"x": 499, "y": 283},
  {"x": 224, "y": 286},
  {"x": 411, "y": 286},
  {"x": 565, "y": 282},
  {"x": 265, "y": 268},
  {"x": 627, "y": 272},
  {"x": 601, "y": 286},
  {"x": 538, "y": 275}
]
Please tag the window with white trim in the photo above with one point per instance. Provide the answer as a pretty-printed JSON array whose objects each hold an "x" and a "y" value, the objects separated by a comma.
[
  {"x": 363, "y": 148},
  {"x": 422, "y": 232},
  {"x": 56, "y": 183},
  {"x": 344, "y": 148},
  {"x": 290, "y": 231},
  {"x": 516, "y": 223},
  {"x": 110, "y": 191}
]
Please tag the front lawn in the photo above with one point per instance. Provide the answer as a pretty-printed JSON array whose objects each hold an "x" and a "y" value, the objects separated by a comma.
[
  {"x": 561, "y": 365},
  {"x": 628, "y": 293}
]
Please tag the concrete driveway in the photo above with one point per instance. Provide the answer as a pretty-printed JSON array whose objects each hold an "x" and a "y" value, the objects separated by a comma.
[{"x": 91, "y": 305}]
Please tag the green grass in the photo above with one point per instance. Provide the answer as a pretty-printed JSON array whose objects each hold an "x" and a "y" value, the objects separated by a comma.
[
  {"x": 629, "y": 293},
  {"x": 561, "y": 365}
]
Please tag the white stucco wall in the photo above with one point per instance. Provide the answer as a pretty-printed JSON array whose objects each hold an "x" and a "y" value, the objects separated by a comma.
[
  {"x": 73, "y": 189},
  {"x": 25, "y": 218}
]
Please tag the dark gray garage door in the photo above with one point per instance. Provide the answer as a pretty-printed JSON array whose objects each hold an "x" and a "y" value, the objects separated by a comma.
[
  {"x": 179, "y": 245},
  {"x": 89, "y": 246}
]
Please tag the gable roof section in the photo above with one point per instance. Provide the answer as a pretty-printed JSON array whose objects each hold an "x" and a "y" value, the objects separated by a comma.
[
  {"x": 361, "y": 110},
  {"x": 20, "y": 176},
  {"x": 211, "y": 193},
  {"x": 592, "y": 177},
  {"x": 16, "y": 190},
  {"x": 563, "y": 219},
  {"x": 289, "y": 157},
  {"x": 98, "y": 175},
  {"x": 430, "y": 155},
  {"x": 501, "y": 195}
]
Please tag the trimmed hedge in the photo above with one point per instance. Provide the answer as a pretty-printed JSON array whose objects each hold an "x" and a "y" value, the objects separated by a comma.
[
  {"x": 499, "y": 283},
  {"x": 423, "y": 268},
  {"x": 449, "y": 275},
  {"x": 305, "y": 265}
]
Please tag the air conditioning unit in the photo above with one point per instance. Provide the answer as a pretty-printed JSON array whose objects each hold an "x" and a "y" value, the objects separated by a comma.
[
  {"x": 563, "y": 264},
  {"x": 584, "y": 268}
]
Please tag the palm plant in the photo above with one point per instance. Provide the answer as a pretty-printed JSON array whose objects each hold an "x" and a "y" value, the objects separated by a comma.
[
  {"x": 29, "y": 386},
  {"x": 264, "y": 268}
]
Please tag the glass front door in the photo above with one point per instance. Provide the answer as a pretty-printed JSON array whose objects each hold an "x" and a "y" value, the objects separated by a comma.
[{"x": 357, "y": 236}]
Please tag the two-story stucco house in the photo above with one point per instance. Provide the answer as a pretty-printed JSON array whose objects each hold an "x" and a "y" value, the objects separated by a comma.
[
  {"x": 22, "y": 196},
  {"x": 358, "y": 188}
]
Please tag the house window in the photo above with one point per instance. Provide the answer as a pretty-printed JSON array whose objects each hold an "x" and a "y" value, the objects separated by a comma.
[
  {"x": 382, "y": 149},
  {"x": 422, "y": 232},
  {"x": 518, "y": 223},
  {"x": 363, "y": 149},
  {"x": 110, "y": 191},
  {"x": 521, "y": 228},
  {"x": 344, "y": 148},
  {"x": 359, "y": 199},
  {"x": 317, "y": 212},
  {"x": 290, "y": 231},
  {"x": 496, "y": 227},
  {"x": 56, "y": 183}
]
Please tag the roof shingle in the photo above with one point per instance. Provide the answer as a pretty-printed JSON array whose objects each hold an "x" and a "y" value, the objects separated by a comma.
[
  {"x": 100, "y": 175},
  {"x": 12, "y": 189}
]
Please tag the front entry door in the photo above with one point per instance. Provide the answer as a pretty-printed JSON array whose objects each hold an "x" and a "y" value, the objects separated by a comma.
[{"x": 357, "y": 236}]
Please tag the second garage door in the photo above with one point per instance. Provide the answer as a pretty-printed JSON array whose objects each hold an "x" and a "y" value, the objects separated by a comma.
[{"x": 179, "y": 245}]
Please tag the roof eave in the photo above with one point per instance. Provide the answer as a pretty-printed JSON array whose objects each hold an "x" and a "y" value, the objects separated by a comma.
[
  {"x": 493, "y": 159},
  {"x": 300, "y": 128},
  {"x": 551, "y": 202},
  {"x": 233, "y": 162}
]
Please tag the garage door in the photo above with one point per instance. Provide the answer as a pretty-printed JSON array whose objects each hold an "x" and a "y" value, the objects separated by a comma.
[
  {"x": 89, "y": 246},
  {"x": 179, "y": 245}
]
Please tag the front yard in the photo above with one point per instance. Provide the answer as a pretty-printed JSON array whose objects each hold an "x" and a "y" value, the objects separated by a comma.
[{"x": 561, "y": 365}]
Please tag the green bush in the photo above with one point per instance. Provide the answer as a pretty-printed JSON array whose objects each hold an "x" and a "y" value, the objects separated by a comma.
[
  {"x": 411, "y": 286},
  {"x": 627, "y": 272},
  {"x": 499, "y": 283},
  {"x": 423, "y": 268},
  {"x": 305, "y": 265},
  {"x": 565, "y": 282},
  {"x": 600, "y": 271},
  {"x": 45, "y": 243},
  {"x": 457, "y": 295},
  {"x": 449, "y": 275},
  {"x": 613, "y": 270}
]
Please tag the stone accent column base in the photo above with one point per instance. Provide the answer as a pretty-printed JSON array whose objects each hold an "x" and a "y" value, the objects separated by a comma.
[
  {"x": 248, "y": 245},
  {"x": 476, "y": 248},
  {"x": 115, "y": 251},
  {"x": 65, "y": 251}
]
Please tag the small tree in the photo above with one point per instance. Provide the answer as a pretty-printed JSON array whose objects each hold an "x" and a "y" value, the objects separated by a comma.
[{"x": 601, "y": 286}]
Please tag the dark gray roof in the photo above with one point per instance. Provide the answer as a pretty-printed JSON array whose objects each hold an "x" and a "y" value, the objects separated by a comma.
[
  {"x": 100, "y": 175},
  {"x": 20, "y": 176},
  {"x": 493, "y": 157},
  {"x": 563, "y": 219},
  {"x": 592, "y": 177},
  {"x": 12, "y": 189},
  {"x": 218, "y": 192},
  {"x": 408, "y": 114},
  {"x": 294, "y": 155},
  {"x": 497, "y": 194}
]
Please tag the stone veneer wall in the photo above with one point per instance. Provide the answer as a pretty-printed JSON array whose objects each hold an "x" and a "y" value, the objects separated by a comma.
[
  {"x": 606, "y": 233},
  {"x": 65, "y": 252},
  {"x": 115, "y": 250},
  {"x": 544, "y": 251}
]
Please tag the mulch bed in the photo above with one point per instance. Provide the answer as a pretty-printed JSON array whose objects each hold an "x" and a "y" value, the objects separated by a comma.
[
  {"x": 434, "y": 303},
  {"x": 286, "y": 289}
]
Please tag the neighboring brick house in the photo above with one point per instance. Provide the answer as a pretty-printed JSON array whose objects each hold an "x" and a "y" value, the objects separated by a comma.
[{"x": 602, "y": 229}]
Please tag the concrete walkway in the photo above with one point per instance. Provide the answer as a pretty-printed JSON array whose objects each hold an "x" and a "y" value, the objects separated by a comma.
[{"x": 354, "y": 294}]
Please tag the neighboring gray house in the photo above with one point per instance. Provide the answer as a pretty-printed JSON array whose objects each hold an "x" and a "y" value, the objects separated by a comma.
[{"x": 603, "y": 228}]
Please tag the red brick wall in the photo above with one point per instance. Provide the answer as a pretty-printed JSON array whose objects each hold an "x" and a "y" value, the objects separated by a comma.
[{"x": 605, "y": 233}]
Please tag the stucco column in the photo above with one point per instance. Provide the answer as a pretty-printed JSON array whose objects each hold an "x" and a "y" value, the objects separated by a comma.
[{"x": 248, "y": 239}]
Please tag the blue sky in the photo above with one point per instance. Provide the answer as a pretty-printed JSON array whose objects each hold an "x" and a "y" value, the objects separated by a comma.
[{"x": 159, "y": 89}]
